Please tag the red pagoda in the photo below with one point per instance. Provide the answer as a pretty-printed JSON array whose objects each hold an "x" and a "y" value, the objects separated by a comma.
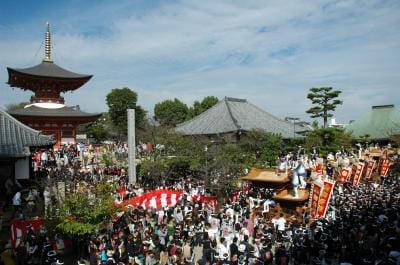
[{"x": 47, "y": 112}]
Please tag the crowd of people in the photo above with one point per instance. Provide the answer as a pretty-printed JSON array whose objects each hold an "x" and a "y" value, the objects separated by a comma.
[
  {"x": 361, "y": 227},
  {"x": 363, "y": 230}
]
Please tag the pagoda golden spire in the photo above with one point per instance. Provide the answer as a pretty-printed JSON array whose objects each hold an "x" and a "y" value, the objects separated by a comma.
[{"x": 47, "y": 45}]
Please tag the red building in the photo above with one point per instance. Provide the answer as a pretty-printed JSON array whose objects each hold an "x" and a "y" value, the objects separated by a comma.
[{"x": 47, "y": 111}]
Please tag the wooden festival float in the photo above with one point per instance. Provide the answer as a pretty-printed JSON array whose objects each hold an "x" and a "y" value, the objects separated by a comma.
[{"x": 280, "y": 183}]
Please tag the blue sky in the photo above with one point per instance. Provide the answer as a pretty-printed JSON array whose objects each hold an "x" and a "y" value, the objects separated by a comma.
[{"x": 269, "y": 52}]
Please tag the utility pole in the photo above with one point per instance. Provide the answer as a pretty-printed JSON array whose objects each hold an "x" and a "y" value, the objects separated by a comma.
[
  {"x": 294, "y": 124},
  {"x": 131, "y": 146}
]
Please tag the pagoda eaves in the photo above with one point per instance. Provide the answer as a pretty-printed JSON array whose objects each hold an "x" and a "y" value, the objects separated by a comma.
[{"x": 47, "y": 80}]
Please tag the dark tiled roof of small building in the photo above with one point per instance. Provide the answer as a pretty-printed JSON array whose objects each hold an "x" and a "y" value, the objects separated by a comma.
[
  {"x": 65, "y": 111},
  {"x": 15, "y": 137},
  {"x": 49, "y": 69},
  {"x": 231, "y": 115}
]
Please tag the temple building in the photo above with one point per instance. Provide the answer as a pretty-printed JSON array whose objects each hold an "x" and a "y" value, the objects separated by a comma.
[
  {"x": 47, "y": 112},
  {"x": 16, "y": 142},
  {"x": 237, "y": 116},
  {"x": 378, "y": 124}
]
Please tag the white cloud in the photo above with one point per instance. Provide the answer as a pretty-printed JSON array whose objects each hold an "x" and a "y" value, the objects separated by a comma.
[{"x": 268, "y": 52}]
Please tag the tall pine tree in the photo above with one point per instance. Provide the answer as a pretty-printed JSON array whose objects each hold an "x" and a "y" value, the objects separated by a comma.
[{"x": 324, "y": 101}]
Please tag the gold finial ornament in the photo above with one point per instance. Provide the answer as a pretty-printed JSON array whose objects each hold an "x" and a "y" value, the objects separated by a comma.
[{"x": 47, "y": 45}]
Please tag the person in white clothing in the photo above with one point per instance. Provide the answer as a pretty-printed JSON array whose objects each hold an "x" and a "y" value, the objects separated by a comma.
[
  {"x": 222, "y": 249},
  {"x": 281, "y": 222},
  {"x": 16, "y": 201},
  {"x": 47, "y": 200},
  {"x": 280, "y": 225},
  {"x": 44, "y": 158},
  {"x": 178, "y": 215}
]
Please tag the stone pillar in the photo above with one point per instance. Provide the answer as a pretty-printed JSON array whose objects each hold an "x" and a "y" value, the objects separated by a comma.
[
  {"x": 131, "y": 146},
  {"x": 61, "y": 192}
]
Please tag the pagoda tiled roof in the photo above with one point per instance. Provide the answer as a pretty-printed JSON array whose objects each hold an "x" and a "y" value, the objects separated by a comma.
[
  {"x": 16, "y": 138},
  {"x": 66, "y": 111},
  {"x": 233, "y": 115},
  {"x": 49, "y": 70}
]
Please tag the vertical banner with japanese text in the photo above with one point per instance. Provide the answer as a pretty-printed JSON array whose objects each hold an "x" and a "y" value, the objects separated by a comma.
[
  {"x": 315, "y": 194},
  {"x": 352, "y": 174},
  {"x": 370, "y": 168},
  {"x": 358, "y": 173},
  {"x": 385, "y": 167},
  {"x": 382, "y": 158},
  {"x": 325, "y": 197}
]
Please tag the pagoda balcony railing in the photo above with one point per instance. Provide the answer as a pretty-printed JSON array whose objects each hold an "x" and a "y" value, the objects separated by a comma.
[{"x": 35, "y": 99}]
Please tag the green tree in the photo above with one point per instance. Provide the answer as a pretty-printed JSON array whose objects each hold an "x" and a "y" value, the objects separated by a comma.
[
  {"x": 195, "y": 110},
  {"x": 208, "y": 102},
  {"x": 324, "y": 101},
  {"x": 170, "y": 112},
  {"x": 200, "y": 107},
  {"x": 328, "y": 140},
  {"x": 119, "y": 101},
  {"x": 153, "y": 169},
  {"x": 262, "y": 147},
  {"x": 225, "y": 164},
  {"x": 172, "y": 157},
  {"x": 12, "y": 106},
  {"x": 314, "y": 124},
  {"x": 82, "y": 215},
  {"x": 98, "y": 130}
]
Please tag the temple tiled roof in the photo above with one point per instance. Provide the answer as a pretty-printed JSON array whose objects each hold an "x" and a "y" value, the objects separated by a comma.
[
  {"x": 65, "y": 111},
  {"x": 379, "y": 123},
  {"x": 16, "y": 138},
  {"x": 232, "y": 115}
]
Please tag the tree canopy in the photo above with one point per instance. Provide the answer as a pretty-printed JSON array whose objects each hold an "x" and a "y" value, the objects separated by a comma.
[
  {"x": 15, "y": 106},
  {"x": 262, "y": 147},
  {"x": 217, "y": 165},
  {"x": 328, "y": 140},
  {"x": 119, "y": 101},
  {"x": 200, "y": 107},
  {"x": 83, "y": 215},
  {"x": 324, "y": 101},
  {"x": 99, "y": 130},
  {"x": 170, "y": 112}
]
